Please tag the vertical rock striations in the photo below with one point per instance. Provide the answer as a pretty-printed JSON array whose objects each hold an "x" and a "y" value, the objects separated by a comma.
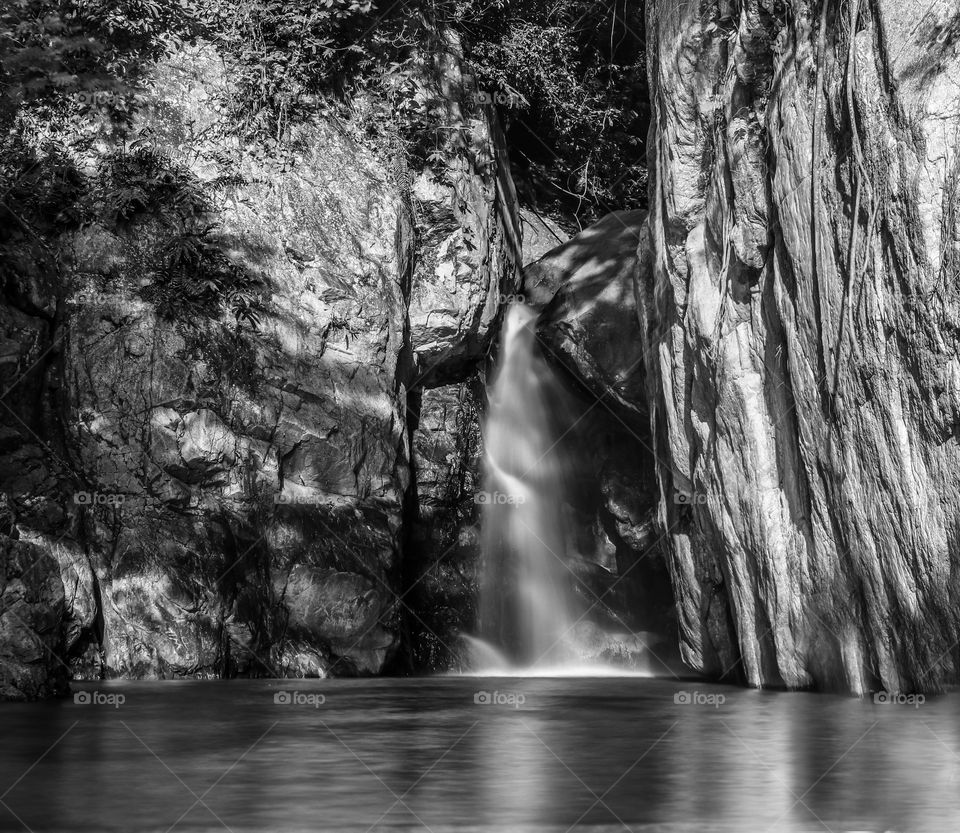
[{"x": 799, "y": 307}]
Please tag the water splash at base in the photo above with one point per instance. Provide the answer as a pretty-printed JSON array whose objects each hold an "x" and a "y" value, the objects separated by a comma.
[
  {"x": 531, "y": 622},
  {"x": 481, "y": 659}
]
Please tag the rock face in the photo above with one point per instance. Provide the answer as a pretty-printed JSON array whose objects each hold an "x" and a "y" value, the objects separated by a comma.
[
  {"x": 213, "y": 482},
  {"x": 589, "y": 331},
  {"x": 539, "y": 235},
  {"x": 587, "y": 288},
  {"x": 799, "y": 315},
  {"x": 31, "y": 622},
  {"x": 207, "y": 499},
  {"x": 442, "y": 570},
  {"x": 467, "y": 226},
  {"x": 469, "y": 248}
]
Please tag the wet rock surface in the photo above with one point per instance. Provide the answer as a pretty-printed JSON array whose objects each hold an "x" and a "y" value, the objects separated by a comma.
[{"x": 442, "y": 572}]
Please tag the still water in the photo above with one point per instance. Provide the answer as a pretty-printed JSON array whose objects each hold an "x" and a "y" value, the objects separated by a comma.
[{"x": 421, "y": 754}]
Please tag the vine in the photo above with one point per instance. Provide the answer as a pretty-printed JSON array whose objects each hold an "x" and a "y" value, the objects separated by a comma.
[
  {"x": 864, "y": 194},
  {"x": 825, "y": 402}
]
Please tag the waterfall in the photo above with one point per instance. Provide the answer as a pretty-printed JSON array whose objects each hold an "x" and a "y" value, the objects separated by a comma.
[
  {"x": 536, "y": 618},
  {"x": 527, "y": 606}
]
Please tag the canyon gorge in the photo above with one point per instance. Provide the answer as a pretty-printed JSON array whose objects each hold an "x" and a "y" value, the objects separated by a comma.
[{"x": 761, "y": 372}]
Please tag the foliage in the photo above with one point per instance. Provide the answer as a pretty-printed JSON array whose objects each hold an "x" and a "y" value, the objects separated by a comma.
[
  {"x": 574, "y": 73},
  {"x": 60, "y": 61},
  {"x": 288, "y": 54},
  {"x": 51, "y": 50},
  {"x": 39, "y": 195},
  {"x": 575, "y": 117},
  {"x": 163, "y": 211}
]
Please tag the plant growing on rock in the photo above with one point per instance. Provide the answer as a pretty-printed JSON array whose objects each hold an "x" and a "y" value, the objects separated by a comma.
[
  {"x": 576, "y": 75},
  {"x": 166, "y": 220}
]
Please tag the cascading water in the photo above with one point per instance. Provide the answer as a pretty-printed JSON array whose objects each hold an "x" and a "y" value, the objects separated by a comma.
[{"x": 527, "y": 605}]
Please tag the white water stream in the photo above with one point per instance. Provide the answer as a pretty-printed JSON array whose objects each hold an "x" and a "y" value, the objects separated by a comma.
[{"x": 527, "y": 605}]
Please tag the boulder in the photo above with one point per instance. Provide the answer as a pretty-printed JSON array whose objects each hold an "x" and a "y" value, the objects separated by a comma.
[
  {"x": 589, "y": 331},
  {"x": 589, "y": 324},
  {"x": 32, "y": 633}
]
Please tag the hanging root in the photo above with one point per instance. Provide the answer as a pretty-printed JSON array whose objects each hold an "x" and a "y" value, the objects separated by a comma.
[
  {"x": 825, "y": 402},
  {"x": 863, "y": 188}
]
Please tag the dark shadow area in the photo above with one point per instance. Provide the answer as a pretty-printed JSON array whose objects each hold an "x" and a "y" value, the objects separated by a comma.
[{"x": 937, "y": 43}]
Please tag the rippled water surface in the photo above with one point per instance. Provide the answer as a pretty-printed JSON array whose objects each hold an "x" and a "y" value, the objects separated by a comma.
[{"x": 553, "y": 754}]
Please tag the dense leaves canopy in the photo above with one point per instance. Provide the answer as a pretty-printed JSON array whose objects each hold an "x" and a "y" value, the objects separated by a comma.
[{"x": 566, "y": 75}]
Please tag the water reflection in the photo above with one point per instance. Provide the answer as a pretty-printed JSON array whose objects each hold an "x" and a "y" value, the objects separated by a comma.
[
  {"x": 584, "y": 754},
  {"x": 512, "y": 785}
]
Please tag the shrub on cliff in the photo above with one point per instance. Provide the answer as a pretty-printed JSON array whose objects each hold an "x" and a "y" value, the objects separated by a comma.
[
  {"x": 572, "y": 72},
  {"x": 575, "y": 79},
  {"x": 65, "y": 67}
]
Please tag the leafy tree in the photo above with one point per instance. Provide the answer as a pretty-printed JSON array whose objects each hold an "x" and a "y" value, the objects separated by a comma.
[
  {"x": 61, "y": 61},
  {"x": 568, "y": 74},
  {"x": 574, "y": 77}
]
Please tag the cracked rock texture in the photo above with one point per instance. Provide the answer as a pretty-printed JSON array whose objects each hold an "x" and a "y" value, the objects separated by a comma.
[
  {"x": 799, "y": 305},
  {"x": 468, "y": 228},
  {"x": 32, "y": 632},
  {"x": 212, "y": 501}
]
